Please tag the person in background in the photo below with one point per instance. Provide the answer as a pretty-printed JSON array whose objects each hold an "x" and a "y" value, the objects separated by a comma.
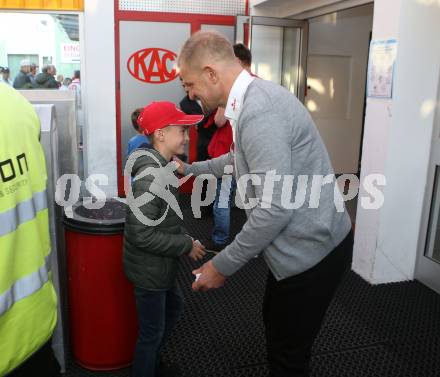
[
  {"x": 139, "y": 140},
  {"x": 66, "y": 82},
  {"x": 22, "y": 80},
  {"x": 219, "y": 145},
  {"x": 244, "y": 56},
  {"x": 60, "y": 80},
  {"x": 33, "y": 73},
  {"x": 5, "y": 76},
  {"x": 28, "y": 302},
  {"x": 76, "y": 87},
  {"x": 205, "y": 130},
  {"x": 151, "y": 252},
  {"x": 46, "y": 79}
]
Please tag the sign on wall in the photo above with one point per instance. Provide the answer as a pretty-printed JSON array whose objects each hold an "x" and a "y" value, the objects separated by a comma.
[
  {"x": 146, "y": 49},
  {"x": 70, "y": 52},
  {"x": 153, "y": 65},
  {"x": 381, "y": 68},
  {"x": 148, "y": 54}
]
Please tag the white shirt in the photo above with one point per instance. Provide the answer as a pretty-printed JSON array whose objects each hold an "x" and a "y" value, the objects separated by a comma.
[
  {"x": 236, "y": 97},
  {"x": 76, "y": 87}
]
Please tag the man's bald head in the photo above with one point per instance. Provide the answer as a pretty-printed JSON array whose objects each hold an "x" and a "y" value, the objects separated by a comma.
[
  {"x": 205, "y": 48},
  {"x": 208, "y": 68}
]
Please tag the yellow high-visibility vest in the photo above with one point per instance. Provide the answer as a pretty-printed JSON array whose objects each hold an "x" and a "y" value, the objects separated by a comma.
[{"x": 27, "y": 297}]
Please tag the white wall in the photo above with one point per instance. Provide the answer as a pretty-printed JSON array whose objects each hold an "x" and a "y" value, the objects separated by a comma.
[
  {"x": 24, "y": 33},
  {"x": 416, "y": 86},
  {"x": 98, "y": 77},
  {"x": 397, "y": 141},
  {"x": 378, "y": 120}
]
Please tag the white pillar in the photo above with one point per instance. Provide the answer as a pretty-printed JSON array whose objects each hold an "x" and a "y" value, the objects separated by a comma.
[{"x": 98, "y": 83}]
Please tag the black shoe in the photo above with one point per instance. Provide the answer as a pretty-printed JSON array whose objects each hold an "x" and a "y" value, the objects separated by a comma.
[
  {"x": 212, "y": 247},
  {"x": 167, "y": 369}
]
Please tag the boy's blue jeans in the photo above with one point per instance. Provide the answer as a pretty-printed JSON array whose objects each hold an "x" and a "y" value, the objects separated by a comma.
[
  {"x": 158, "y": 312},
  {"x": 222, "y": 210}
]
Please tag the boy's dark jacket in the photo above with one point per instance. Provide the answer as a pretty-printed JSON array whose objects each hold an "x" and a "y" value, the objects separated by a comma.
[{"x": 151, "y": 253}]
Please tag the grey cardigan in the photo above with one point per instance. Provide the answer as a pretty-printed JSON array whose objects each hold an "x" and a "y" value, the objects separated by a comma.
[{"x": 275, "y": 132}]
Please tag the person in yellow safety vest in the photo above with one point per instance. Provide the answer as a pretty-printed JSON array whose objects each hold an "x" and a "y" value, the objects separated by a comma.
[{"x": 28, "y": 301}]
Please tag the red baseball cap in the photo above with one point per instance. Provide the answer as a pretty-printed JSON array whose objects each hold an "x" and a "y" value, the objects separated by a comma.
[{"x": 162, "y": 114}]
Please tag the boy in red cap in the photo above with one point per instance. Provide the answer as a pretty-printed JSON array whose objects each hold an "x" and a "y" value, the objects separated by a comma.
[{"x": 154, "y": 237}]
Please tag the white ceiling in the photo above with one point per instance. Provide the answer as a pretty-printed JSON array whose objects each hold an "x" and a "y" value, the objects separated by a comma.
[{"x": 300, "y": 8}]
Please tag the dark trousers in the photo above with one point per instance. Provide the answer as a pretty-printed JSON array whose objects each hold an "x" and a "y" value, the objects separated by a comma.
[
  {"x": 158, "y": 312},
  {"x": 294, "y": 308},
  {"x": 42, "y": 364}
]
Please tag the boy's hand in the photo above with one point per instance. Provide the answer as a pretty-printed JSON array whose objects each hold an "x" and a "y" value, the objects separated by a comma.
[
  {"x": 219, "y": 118},
  {"x": 180, "y": 166},
  {"x": 198, "y": 251}
]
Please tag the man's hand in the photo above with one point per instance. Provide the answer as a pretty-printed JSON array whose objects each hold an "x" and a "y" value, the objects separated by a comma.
[
  {"x": 210, "y": 278},
  {"x": 180, "y": 165},
  {"x": 197, "y": 252}
]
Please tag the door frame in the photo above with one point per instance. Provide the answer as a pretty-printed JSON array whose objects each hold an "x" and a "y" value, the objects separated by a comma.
[
  {"x": 427, "y": 270},
  {"x": 243, "y": 34}
]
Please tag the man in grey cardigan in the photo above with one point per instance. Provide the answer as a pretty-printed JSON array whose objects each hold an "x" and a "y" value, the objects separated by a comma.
[{"x": 308, "y": 247}]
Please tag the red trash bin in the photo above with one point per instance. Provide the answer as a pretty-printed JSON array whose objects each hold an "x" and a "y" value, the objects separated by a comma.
[{"x": 102, "y": 309}]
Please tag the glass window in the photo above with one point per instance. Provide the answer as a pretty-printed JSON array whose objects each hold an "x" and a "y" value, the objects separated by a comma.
[
  {"x": 32, "y": 42},
  {"x": 42, "y": 52}
]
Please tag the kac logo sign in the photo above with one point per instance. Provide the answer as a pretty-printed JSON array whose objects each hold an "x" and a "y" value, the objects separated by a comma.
[{"x": 152, "y": 65}]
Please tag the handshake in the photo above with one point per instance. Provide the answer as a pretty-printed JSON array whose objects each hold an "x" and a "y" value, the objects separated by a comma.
[
  {"x": 198, "y": 251},
  {"x": 206, "y": 277}
]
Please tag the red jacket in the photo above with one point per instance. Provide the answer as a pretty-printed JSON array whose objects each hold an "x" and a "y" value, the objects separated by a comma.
[{"x": 221, "y": 141}]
